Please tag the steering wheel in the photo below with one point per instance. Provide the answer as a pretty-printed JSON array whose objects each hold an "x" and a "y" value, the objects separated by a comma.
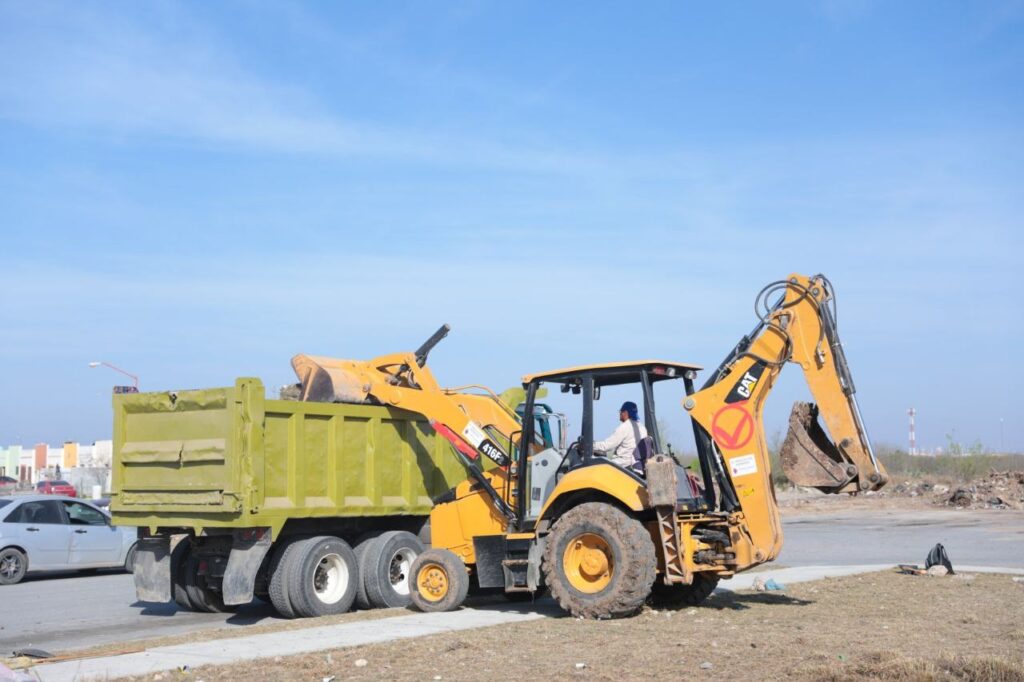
[{"x": 572, "y": 458}]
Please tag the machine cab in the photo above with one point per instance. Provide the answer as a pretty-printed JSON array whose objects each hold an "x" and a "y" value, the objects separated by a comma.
[{"x": 586, "y": 392}]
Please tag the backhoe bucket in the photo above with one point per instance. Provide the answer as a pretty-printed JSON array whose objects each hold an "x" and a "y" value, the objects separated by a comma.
[
  {"x": 329, "y": 380},
  {"x": 809, "y": 458}
]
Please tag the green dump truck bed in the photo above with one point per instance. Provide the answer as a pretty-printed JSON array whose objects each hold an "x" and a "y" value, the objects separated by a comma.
[{"x": 231, "y": 458}]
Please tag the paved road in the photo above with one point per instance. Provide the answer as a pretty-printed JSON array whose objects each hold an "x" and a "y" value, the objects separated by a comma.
[
  {"x": 68, "y": 612},
  {"x": 978, "y": 537}
]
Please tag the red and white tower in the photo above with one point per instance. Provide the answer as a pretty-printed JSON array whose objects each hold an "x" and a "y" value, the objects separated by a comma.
[{"x": 913, "y": 442}]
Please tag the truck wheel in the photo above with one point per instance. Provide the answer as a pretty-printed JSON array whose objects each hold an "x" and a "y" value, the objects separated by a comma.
[
  {"x": 362, "y": 549},
  {"x": 178, "y": 588},
  {"x": 441, "y": 581},
  {"x": 201, "y": 596},
  {"x": 322, "y": 575},
  {"x": 599, "y": 562},
  {"x": 278, "y": 587},
  {"x": 129, "y": 559},
  {"x": 677, "y": 596},
  {"x": 386, "y": 569},
  {"x": 13, "y": 565}
]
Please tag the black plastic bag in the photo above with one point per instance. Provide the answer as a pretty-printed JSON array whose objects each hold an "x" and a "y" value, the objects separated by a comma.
[{"x": 938, "y": 557}]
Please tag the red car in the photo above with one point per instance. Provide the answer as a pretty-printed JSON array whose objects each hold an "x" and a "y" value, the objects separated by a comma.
[{"x": 56, "y": 488}]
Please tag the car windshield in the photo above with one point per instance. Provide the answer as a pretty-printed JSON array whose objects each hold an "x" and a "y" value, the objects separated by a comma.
[
  {"x": 60, "y": 482},
  {"x": 4, "y": 503}
]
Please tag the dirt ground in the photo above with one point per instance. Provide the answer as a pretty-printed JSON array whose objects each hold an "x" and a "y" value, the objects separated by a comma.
[{"x": 874, "y": 626}]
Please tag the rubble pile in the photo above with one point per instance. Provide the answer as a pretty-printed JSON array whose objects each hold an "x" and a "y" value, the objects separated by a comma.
[{"x": 998, "y": 490}]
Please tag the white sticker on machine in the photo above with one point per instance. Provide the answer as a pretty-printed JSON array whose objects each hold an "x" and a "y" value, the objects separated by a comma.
[
  {"x": 473, "y": 434},
  {"x": 743, "y": 465}
]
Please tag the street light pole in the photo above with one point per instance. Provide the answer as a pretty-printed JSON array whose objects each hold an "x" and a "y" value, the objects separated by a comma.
[{"x": 101, "y": 363}]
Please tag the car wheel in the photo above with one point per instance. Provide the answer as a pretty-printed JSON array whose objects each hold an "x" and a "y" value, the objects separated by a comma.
[
  {"x": 13, "y": 564},
  {"x": 322, "y": 577},
  {"x": 387, "y": 568}
]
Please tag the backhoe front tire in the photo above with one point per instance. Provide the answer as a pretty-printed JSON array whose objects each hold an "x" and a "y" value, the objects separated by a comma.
[
  {"x": 599, "y": 562},
  {"x": 439, "y": 581},
  {"x": 679, "y": 596}
]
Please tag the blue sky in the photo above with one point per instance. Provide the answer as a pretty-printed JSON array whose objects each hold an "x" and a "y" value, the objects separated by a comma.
[{"x": 198, "y": 191}]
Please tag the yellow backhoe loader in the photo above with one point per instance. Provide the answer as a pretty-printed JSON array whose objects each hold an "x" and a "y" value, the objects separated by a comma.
[{"x": 605, "y": 538}]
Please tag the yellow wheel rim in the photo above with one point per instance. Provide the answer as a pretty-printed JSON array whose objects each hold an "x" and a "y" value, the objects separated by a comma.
[
  {"x": 588, "y": 563},
  {"x": 432, "y": 582}
]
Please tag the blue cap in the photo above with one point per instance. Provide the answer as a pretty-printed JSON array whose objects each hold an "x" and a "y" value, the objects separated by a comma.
[{"x": 630, "y": 408}]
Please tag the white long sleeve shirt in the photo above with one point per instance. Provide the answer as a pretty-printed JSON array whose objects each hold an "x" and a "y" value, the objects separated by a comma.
[{"x": 619, "y": 446}]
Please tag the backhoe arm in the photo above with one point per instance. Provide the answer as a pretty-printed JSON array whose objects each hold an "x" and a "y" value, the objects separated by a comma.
[{"x": 798, "y": 327}]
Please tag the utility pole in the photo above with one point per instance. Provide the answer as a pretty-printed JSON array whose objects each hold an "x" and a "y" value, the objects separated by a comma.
[{"x": 913, "y": 441}]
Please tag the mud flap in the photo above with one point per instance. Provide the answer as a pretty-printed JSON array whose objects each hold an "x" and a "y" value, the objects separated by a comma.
[
  {"x": 249, "y": 546},
  {"x": 152, "y": 570},
  {"x": 809, "y": 458}
]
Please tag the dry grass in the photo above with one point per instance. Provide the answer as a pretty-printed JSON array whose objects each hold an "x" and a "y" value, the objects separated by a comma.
[{"x": 877, "y": 626}]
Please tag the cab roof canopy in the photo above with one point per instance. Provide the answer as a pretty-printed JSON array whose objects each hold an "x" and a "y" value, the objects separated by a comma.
[{"x": 614, "y": 373}]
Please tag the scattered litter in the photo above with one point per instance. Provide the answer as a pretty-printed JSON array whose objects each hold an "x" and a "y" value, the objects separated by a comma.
[
  {"x": 841, "y": 657},
  {"x": 770, "y": 584},
  {"x": 33, "y": 653},
  {"x": 937, "y": 569},
  {"x": 581, "y": 666},
  {"x": 706, "y": 666},
  {"x": 1018, "y": 579},
  {"x": 183, "y": 669},
  {"x": 329, "y": 678},
  {"x": 361, "y": 662},
  {"x": 437, "y": 677},
  {"x": 997, "y": 490},
  {"x": 277, "y": 659},
  {"x": 329, "y": 658},
  {"x": 759, "y": 584}
]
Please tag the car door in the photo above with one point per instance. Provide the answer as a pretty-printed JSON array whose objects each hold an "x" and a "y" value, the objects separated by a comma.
[
  {"x": 40, "y": 528},
  {"x": 94, "y": 542}
]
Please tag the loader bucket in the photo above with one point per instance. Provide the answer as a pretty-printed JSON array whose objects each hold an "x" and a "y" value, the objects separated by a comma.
[
  {"x": 809, "y": 458},
  {"x": 329, "y": 380}
]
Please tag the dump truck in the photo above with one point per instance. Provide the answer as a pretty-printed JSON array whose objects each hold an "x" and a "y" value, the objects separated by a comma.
[
  {"x": 529, "y": 515},
  {"x": 226, "y": 485}
]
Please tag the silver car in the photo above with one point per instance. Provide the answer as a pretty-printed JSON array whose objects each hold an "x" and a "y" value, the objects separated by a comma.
[{"x": 56, "y": 533}]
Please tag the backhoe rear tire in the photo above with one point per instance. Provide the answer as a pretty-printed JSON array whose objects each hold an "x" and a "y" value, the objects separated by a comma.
[
  {"x": 599, "y": 562},
  {"x": 679, "y": 596}
]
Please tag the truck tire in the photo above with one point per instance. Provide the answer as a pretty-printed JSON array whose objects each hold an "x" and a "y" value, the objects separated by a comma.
[
  {"x": 387, "y": 567},
  {"x": 13, "y": 565},
  {"x": 441, "y": 582},
  {"x": 199, "y": 594},
  {"x": 678, "y": 596},
  {"x": 599, "y": 562},
  {"x": 363, "y": 546},
  {"x": 322, "y": 576},
  {"x": 178, "y": 588},
  {"x": 129, "y": 559},
  {"x": 278, "y": 584}
]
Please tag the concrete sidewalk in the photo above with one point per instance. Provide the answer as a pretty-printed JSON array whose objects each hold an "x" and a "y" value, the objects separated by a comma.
[{"x": 292, "y": 642}]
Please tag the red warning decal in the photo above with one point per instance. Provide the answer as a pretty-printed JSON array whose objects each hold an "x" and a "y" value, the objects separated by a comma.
[{"x": 733, "y": 426}]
